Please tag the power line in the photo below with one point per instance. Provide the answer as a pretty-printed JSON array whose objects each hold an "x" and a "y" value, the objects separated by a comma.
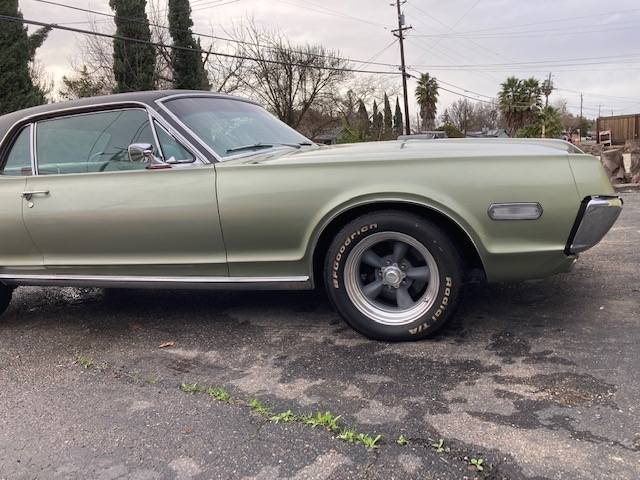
[
  {"x": 177, "y": 47},
  {"x": 327, "y": 11},
  {"x": 204, "y": 35}
]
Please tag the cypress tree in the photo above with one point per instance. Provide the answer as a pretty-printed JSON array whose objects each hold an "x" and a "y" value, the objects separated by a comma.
[
  {"x": 363, "y": 124},
  {"x": 388, "y": 119},
  {"x": 376, "y": 127},
  {"x": 398, "y": 120},
  {"x": 133, "y": 63},
  {"x": 17, "y": 50},
  {"x": 187, "y": 66}
]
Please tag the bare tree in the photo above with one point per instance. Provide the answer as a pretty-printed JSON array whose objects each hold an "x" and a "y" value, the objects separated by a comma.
[{"x": 289, "y": 79}]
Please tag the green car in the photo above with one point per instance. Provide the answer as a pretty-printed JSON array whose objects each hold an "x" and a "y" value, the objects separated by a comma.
[{"x": 180, "y": 189}]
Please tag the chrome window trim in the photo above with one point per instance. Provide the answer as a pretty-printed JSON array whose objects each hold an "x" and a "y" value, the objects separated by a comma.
[
  {"x": 30, "y": 126},
  {"x": 174, "y": 117},
  {"x": 197, "y": 154},
  {"x": 127, "y": 104},
  {"x": 34, "y": 153}
]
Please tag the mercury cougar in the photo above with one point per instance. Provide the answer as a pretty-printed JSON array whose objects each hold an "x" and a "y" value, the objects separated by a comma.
[{"x": 198, "y": 190}]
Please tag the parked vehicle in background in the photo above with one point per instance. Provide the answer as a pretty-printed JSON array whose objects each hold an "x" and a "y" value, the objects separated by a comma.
[{"x": 198, "y": 190}]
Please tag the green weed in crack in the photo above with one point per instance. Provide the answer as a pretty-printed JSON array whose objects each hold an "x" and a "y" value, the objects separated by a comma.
[
  {"x": 84, "y": 362},
  {"x": 258, "y": 407},
  {"x": 402, "y": 440},
  {"x": 218, "y": 394},
  {"x": 323, "y": 419},
  {"x": 478, "y": 463},
  {"x": 191, "y": 388},
  {"x": 284, "y": 417}
]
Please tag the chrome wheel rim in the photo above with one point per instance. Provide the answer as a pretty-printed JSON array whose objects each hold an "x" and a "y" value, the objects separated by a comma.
[{"x": 391, "y": 278}]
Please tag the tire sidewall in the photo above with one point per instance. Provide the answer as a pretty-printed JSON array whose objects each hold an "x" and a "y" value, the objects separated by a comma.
[{"x": 428, "y": 234}]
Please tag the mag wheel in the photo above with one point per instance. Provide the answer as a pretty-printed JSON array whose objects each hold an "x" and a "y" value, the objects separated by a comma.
[{"x": 393, "y": 276}]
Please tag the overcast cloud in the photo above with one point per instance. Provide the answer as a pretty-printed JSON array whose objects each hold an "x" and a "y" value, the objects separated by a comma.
[{"x": 493, "y": 32}]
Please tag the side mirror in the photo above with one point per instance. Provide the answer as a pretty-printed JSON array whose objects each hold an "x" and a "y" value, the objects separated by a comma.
[{"x": 143, "y": 153}]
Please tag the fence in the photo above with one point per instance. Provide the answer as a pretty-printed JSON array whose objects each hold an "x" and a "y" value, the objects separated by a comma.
[{"x": 623, "y": 127}]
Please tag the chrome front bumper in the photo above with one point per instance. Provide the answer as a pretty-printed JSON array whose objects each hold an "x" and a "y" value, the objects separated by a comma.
[{"x": 596, "y": 216}]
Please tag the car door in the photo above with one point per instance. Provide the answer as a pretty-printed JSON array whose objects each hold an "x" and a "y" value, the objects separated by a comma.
[
  {"x": 92, "y": 210},
  {"x": 17, "y": 251}
]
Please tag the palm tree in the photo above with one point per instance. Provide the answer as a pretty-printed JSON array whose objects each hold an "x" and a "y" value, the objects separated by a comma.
[
  {"x": 520, "y": 102},
  {"x": 427, "y": 97}
]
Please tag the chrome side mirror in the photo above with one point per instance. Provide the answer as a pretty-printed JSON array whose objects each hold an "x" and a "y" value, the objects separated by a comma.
[{"x": 143, "y": 153}]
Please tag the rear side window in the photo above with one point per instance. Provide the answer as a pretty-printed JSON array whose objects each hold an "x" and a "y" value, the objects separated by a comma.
[
  {"x": 18, "y": 162},
  {"x": 95, "y": 142}
]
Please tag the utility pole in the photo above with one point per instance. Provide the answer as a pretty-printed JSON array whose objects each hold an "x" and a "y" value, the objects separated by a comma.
[
  {"x": 599, "y": 109},
  {"x": 399, "y": 33},
  {"x": 581, "y": 98}
]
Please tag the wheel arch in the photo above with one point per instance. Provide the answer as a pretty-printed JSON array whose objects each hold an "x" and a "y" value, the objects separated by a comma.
[{"x": 464, "y": 242}]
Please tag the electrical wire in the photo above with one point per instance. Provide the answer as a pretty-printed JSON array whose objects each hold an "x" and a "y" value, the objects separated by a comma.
[
  {"x": 204, "y": 35},
  {"x": 177, "y": 47}
]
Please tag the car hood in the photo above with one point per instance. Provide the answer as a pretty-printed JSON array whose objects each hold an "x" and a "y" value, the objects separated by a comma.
[{"x": 414, "y": 149}]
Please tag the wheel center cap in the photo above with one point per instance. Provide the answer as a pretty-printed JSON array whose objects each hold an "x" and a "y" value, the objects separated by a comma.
[{"x": 392, "y": 276}]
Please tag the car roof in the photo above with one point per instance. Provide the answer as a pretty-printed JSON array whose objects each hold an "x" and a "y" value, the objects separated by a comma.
[{"x": 148, "y": 98}]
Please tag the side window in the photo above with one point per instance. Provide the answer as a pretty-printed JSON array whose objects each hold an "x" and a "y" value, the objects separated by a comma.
[
  {"x": 95, "y": 142},
  {"x": 172, "y": 151},
  {"x": 19, "y": 159}
]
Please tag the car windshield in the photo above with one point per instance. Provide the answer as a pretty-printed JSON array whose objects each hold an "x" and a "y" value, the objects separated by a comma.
[{"x": 232, "y": 127}]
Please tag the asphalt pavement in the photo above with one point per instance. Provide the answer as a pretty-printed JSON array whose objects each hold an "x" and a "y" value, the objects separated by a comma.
[{"x": 531, "y": 380}]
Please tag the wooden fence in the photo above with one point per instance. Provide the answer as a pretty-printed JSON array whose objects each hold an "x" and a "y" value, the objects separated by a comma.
[{"x": 623, "y": 127}]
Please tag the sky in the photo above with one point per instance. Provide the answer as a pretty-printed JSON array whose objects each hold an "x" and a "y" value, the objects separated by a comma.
[{"x": 471, "y": 46}]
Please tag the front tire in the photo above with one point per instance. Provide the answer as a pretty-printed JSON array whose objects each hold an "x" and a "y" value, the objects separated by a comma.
[
  {"x": 393, "y": 276},
  {"x": 5, "y": 297}
]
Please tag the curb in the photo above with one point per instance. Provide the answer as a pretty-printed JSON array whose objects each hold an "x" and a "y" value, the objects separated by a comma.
[{"x": 627, "y": 187}]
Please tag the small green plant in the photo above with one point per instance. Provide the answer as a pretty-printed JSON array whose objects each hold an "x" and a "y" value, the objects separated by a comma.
[
  {"x": 478, "y": 463},
  {"x": 368, "y": 441},
  {"x": 402, "y": 440},
  {"x": 219, "y": 394},
  {"x": 439, "y": 446},
  {"x": 347, "y": 435},
  {"x": 258, "y": 407},
  {"x": 151, "y": 380},
  {"x": 84, "y": 362},
  {"x": 284, "y": 417},
  {"x": 326, "y": 420},
  {"x": 191, "y": 388}
]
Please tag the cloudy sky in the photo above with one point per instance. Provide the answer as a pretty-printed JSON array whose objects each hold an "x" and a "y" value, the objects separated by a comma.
[{"x": 589, "y": 46}]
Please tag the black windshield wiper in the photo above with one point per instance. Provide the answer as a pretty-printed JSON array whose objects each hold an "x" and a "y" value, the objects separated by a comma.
[{"x": 255, "y": 146}]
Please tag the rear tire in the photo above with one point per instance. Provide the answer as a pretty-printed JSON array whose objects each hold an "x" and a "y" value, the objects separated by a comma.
[
  {"x": 393, "y": 276},
  {"x": 5, "y": 297}
]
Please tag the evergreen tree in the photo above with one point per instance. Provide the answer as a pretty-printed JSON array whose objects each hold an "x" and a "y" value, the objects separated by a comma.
[
  {"x": 133, "y": 62},
  {"x": 398, "y": 120},
  {"x": 17, "y": 50},
  {"x": 388, "y": 119},
  {"x": 83, "y": 84},
  {"x": 187, "y": 66},
  {"x": 363, "y": 125},
  {"x": 377, "y": 121}
]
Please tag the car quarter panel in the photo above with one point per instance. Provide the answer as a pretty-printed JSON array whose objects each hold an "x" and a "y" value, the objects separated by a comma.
[{"x": 273, "y": 210}]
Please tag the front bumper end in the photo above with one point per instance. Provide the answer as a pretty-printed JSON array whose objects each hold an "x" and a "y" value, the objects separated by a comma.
[{"x": 595, "y": 218}]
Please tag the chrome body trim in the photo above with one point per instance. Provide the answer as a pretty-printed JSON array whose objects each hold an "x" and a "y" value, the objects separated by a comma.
[
  {"x": 595, "y": 218},
  {"x": 128, "y": 281}
]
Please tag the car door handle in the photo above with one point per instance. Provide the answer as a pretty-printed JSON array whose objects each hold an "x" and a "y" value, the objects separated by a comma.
[{"x": 29, "y": 195}]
